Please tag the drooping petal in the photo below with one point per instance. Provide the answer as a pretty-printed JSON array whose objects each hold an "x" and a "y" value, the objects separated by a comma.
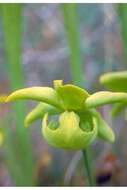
[
  {"x": 116, "y": 81},
  {"x": 44, "y": 94},
  {"x": 104, "y": 97},
  {"x": 39, "y": 111},
  {"x": 125, "y": 115},
  {"x": 104, "y": 131},
  {"x": 72, "y": 96},
  {"x": 67, "y": 134},
  {"x": 118, "y": 108}
]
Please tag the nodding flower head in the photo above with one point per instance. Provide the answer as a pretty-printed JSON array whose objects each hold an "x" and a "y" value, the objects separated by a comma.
[
  {"x": 78, "y": 123},
  {"x": 69, "y": 131}
]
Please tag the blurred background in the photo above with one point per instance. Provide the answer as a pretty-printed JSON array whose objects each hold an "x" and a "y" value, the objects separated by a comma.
[{"x": 45, "y": 56}]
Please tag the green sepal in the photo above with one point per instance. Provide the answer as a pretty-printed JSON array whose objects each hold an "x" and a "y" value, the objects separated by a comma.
[
  {"x": 118, "y": 108},
  {"x": 45, "y": 94},
  {"x": 104, "y": 131},
  {"x": 68, "y": 134},
  {"x": 125, "y": 116},
  {"x": 39, "y": 111},
  {"x": 115, "y": 81},
  {"x": 72, "y": 96},
  {"x": 104, "y": 97},
  {"x": 3, "y": 98}
]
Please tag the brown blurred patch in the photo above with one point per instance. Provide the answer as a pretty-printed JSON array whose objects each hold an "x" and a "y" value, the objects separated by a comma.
[
  {"x": 43, "y": 170},
  {"x": 109, "y": 170}
]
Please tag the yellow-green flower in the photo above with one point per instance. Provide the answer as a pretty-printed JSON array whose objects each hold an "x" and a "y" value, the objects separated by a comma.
[{"x": 77, "y": 124}]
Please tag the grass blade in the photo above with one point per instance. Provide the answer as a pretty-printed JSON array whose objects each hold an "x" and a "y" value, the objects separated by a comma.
[
  {"x": 72, "y": 28},
  {"x": 122, "y": 13},
  {"x": 22, "y": 152}
]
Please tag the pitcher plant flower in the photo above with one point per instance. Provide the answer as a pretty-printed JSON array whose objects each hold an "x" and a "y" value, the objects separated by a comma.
[
  {"x": 117, "y": 82},
  {"x": 70, "y": 119}
]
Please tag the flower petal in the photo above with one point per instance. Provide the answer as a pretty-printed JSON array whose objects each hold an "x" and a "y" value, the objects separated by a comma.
[
  {"x": 104, "y": 131},
  {"x": 39, "y": 111},
  {"x": 68, "y": 135},
  {"x": 118, "y": 108}
]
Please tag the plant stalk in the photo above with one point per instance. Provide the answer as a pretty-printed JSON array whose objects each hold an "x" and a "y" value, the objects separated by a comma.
[
  {"x": 87, "y": 161},
  {"x": 72, "y": 28},
  {"x": 122, "y": 13}
]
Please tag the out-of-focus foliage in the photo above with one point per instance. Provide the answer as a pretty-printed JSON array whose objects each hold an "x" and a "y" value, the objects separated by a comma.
[
  {"x": 122, "y": 13},
  {"x": 71, "y": 22},
  {"x": 12, "y": 29}
]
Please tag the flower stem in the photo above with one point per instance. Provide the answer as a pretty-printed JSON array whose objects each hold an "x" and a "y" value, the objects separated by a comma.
[{"x": 87, "y": 157}]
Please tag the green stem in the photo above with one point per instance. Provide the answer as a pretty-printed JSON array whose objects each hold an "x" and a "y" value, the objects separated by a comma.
[
  {"x": 89, "y": 170},
  {"x": 72, "y": 28},
  {"x": 122, "y": 13}
]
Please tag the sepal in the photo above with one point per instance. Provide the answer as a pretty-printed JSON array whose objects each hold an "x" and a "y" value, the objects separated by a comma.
[
  {"x": 104, "y": 97},
  {"x": 39, "y": 111},
  {"x": 104, "y": 131},
  {"x": 45, "y": 94}
]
